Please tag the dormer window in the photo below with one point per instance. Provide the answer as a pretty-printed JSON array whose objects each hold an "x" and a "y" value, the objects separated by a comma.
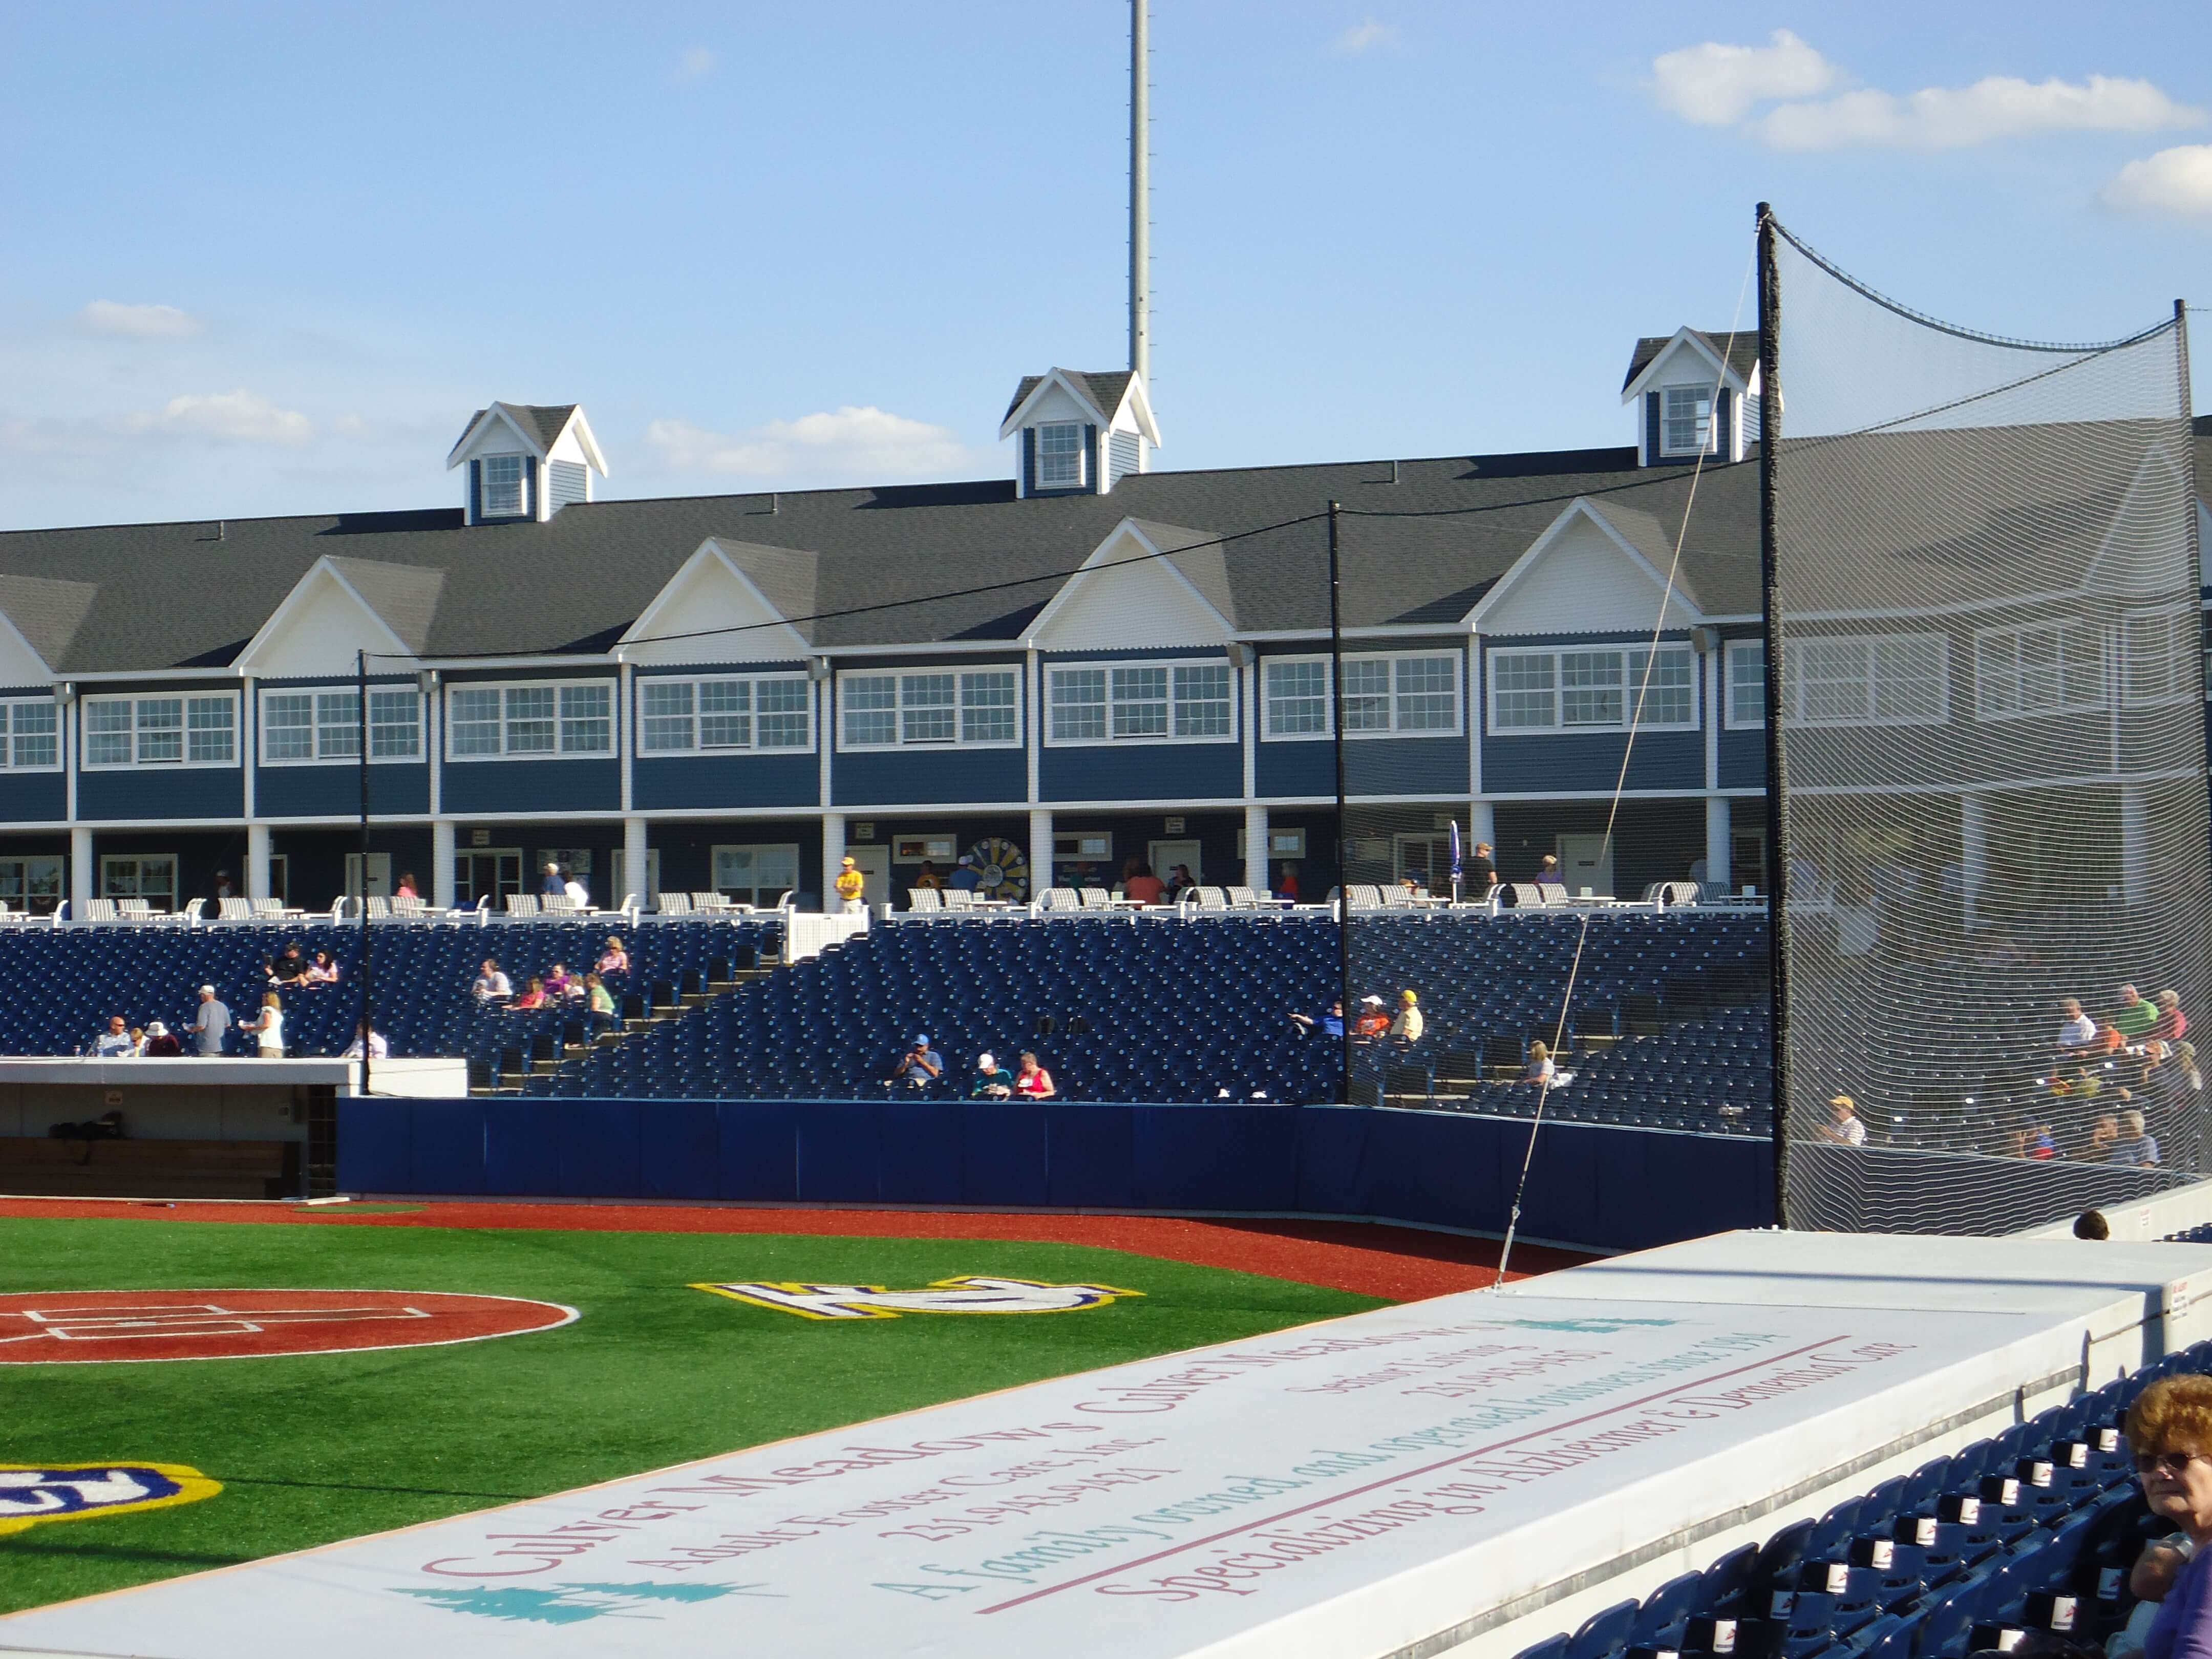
[
  {"x": 1686, "y": 420},
  {"x": 504, "y": 495},
  {"x": 1059, "y": 455}
]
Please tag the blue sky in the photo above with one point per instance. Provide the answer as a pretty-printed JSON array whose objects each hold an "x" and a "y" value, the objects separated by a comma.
[{"x": 260, "y": 258}]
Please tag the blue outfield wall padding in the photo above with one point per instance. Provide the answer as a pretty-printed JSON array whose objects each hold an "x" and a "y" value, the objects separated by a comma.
[{"x": 1609, "y": 1189}]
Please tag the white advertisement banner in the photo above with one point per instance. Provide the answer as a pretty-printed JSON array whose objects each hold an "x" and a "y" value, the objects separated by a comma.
[{"x": 1340, "y": 1489}]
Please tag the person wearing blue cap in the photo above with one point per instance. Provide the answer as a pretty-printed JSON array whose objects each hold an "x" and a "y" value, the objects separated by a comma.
[{"x": 920, "y": 1065}]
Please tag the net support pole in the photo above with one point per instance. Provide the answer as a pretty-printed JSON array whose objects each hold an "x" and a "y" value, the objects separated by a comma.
[
  {"x": 361, "y": 682},
  {"x": 1343, "y": 818},
  {"x": 1777, "y": 846}
]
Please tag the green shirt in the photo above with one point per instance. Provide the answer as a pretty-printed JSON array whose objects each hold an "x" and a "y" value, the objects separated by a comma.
[
  {"x": 2134, "y": 1020},
  {"x": 1000, "y": 1078}
]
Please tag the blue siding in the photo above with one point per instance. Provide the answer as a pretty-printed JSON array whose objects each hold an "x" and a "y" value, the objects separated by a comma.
[
  {"x": 1372, "y": 766},
  {"x": 1743, "y": 759},
  {"x": 33, "y": 796},
  {"x": 792, "y": 780},
  {"x": 146, "y": 792},
  {"x": 892, "y": 777},
  {"x": 1590, "y": 762},
  {"x": 301, "y": 792},
  {"x": 1140, "y": 771},
  {"x": 543, "y": 785}
]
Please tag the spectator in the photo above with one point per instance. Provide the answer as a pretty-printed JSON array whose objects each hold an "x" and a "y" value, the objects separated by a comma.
[
  {"x": 1179, "y": 881},
  {"x": 992, "y": 1080},
  {"x": 223, "y": 889},
  {"x": 210, "y": 1021},
  {"x": 2092, "y": 1225},
  {"x": 1144, "y": 887},
  {"x": 321, "y": 971},
  {"x": 1478, "y": 874},
  {"x": 560, "y": 982},
  {"x": 268, "y": 1028},
  {"x": 1372, "y": 1021},
  {"x": 138, "y": 1042},
  {"x": 1033, "y": 1080},
  {"x": 2151, "y": 1580},
  {"x": 288, "y": 968},
  {"x": 405, "y": 890},
  {"x": 161, "y": 1042},
  {"x": 2040, "y": 1145},
  {"x": 378, "y": 1046},
  {"x": 1548, "y": 872},
  {"x": 2135, "y": 1017},
  {"x": 852, "y": 887},
  {"x": 1287, "y": 886},
  {"x": 552, "y": 886},
  {"x": 920, "y": 1065},
  {"x": 490, "y": 983},
  {"x": 1843, "y": 1127},
  {"x": 1329, "y": 1024},
  {"x": 2172, "y": 1025},
  {"x": 114, "y": 1043},
  {"x": 2133, "y": 1147},
  {"x": 2077, "y": 1030},
  {"x": 1409, "y": 1024},
  {"x": 2169, "y": 1430},
  {"x": 599, "y": 1012},
  {"x": 929, "y": 881},
  {"x": 612, "y": 960},
  {"x": 575, "y": 892},
  {"x": 533, "y": 995},
  {"x": 2103, "y": 1132},
  {"x": 1540, "y": 1068}
]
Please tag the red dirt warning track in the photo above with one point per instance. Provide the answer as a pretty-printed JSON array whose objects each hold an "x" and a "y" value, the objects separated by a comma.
[
  {"x": 45, "y": 1328},
  {"x": 1398, "y": 1264}
]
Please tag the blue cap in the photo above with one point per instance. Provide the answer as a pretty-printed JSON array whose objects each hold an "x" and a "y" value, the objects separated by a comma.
[{"x": 922, "y": 1037}]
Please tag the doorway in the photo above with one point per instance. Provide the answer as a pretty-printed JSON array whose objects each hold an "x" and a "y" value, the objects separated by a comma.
[
  {"x": 874, "y": 863},
  {"x": 484, "y": 873},
  {"x": 379, "y": 874},
  {"x": 1586, "y": 865},
  {"x": 623, "y": 888},
  {"x": 1424, "y": 860},
  {"x": 1165, "y": 855}
]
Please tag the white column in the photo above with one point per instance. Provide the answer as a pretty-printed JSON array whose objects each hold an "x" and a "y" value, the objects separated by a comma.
[
  {"x": 637, "y": 863},
  {"x": 1040, "y": 850},
  {"x": 256, "y": 861},
  {"x": 1973, "y": 854},
  {"x": 1481, "y": 824},
  {"x": 1255, "y": 848},
  {"x": 82, "y": 873},
  {"x": 833, "y": 855},
  {"x": 2135, "y": 844},
  {"x": 442, "y": 863},
  {"x": 1717, "y": 873}
]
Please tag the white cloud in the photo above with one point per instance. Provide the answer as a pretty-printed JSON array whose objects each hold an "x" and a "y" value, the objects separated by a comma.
[
  {"x": 240, "y": 417},
  {"x": 848, "y": 443},
  {"x": 1360, "y": 37},
  {"x": 2176, "y": 181},
  {"x": 696, "y": 62},
  {"x": 137, "y": 322},
  {"x": 1713, "y": 84},
  {"x": 1947, "y": 118}
]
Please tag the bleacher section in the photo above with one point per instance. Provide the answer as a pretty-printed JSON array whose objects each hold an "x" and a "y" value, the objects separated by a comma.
[{"x": 2032, "y": 1530}]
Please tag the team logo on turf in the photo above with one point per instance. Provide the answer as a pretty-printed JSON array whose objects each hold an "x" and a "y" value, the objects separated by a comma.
[
  {"x": 570, "y": 1604},
  {"x": 59, "y": 1327},
  {"x": 970, "y": 1293},
  {"x": 33, "y": 1493}
]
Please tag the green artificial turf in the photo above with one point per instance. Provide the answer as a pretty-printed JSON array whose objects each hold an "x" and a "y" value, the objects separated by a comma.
[{"x": 314, "y": 1449}]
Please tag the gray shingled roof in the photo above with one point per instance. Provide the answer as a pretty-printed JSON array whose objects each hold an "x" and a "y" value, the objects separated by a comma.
[
  {"x": 46, "y": 613},
  {"x": 1106, "y": 388},
  {"x": 544, "y": 421},
  {"x": 1739, "y": 350}
]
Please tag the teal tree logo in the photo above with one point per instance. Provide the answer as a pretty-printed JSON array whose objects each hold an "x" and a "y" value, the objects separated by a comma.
[{"x": 570, "y": 1604}]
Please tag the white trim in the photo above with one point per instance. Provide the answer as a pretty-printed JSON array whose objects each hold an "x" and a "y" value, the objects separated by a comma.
[
  {"x": 1990, "y": 675},
  {"x": 647, "y": 625},
  {"x": 1793, "y": 689},
  {"x": 558, "y": 751},
  {"x": 1108, "y": 667},
  {"x": 7, "y": 746},
  {"x": 248, "y": 661},
  {"x": 184, "y": 698},
  {"x": 1153, "y": 554},
  {"x": 2186, "y": 658},
  {"x": 262, "y": 726},
  {"x": 958, "y": 673},
  {"x": 1731, "y": 650},
  {"x": 176, "y": 878},
  {"x": 1455, "y": 654},
  {"x": 1135, "y": 398},
  {"x": 644, "y": 683},
  {"x": 1685, "y": 335},
  {"x": 1625, "y": 649},
  {"x": 1082, "y": 467},
  {"x": 1678, "y": 593},
  {"x": 1711, "y": 445}
]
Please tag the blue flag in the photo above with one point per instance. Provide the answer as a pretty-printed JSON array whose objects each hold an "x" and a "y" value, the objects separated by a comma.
[{"x": 1455, "y": 850}]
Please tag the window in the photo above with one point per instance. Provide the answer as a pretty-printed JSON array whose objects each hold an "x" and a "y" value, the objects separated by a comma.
[
  {"x": 756, "y": 875},
  {"x": 487, "y": 722},
  {"x": 686, "y": 716},
  {"x": 199, "y": 730},
  {"x": 30, "y": 737},
  {"x": 964, "y": 707},
  {"x": 301, "y": 727},
  {"x": 505, "y": 495},
  {"x": 149, "y": 877},
  {"x": 395, "y": 725},
  {"x": 1893, "y": 679},
  {"x": 1144, "y": 702},
  {"x": 1297, "y": 697},
  {"x": 1686, "y": 420},
  {"x": 1059, "y": 455},
  {"x": 31, "y": 884},
  {"x": 1747, "y": 682},
  {"x": 1383, "y": 695},
  {"x": 2159, "y": 647},
  {"x": 2039, "y": 668},
  {"x": 1596, "y": 690}
]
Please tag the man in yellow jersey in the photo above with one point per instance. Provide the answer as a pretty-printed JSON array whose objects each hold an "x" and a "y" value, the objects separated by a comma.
[{"x": 850, "y": 884}]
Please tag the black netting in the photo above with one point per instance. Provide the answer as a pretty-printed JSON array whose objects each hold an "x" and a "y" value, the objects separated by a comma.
[{"x": 1993, "y": 741}]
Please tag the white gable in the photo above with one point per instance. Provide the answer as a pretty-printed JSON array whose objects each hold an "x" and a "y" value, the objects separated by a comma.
[
  {"x": 1144, "y": 603},
  {"x": 1579, "y": 578},
  {"x": 318, "y": 630},
  {"x": 19, "y": 664},
  {"x": 710, "y": 594},
  {"x": 1684, "y": 361},
  {"x": 1052, "y": 402}
]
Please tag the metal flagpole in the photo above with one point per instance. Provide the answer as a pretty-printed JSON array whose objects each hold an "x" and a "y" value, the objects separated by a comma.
[
  {"x": 1343, "y": 822},
  {"x": 1778, "y": 777},
  {"x": 361, "y": 897}
]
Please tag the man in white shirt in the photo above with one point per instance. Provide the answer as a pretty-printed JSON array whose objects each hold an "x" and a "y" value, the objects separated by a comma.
[
  {"x": 2079, "y": 1030},
  {"x": 579, "y": 895},
  {"x": 492, "y": 983},
  {"x": 210, "y": 1021},
  {"x": 115, "y": 1043},
  {"x": 379, "y": 1046},
  {"x": 1843, "y": 1127}
]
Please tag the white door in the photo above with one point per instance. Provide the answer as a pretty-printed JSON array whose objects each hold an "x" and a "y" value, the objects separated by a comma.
[
  {"x": 379, "y": 874},
  {"x": 1165, "y": 855},
  {"x": 622, "y": 889},
  {"x": 874, "y": 863},
  {"x": 1586, "y": 865}
]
